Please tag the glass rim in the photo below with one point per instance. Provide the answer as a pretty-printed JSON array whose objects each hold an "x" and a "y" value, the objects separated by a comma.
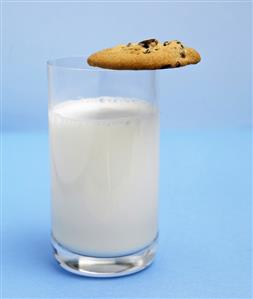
[
  {"x": 79, "y": 63},
  {"x": 67, "y": 62}
]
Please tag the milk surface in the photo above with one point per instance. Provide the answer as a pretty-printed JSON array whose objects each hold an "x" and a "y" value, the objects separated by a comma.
[{"x": 105, "y": 154}]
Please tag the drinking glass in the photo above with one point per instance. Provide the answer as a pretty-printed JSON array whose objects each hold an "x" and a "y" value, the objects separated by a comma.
[{"x": 104, "y": 147}]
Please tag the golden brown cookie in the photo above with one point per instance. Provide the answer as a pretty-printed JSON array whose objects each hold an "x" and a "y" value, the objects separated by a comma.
[{"x": 146, "y": 55}]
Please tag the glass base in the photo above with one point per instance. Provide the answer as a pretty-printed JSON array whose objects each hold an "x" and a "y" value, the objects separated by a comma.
[{"x": 104, "y": 266}]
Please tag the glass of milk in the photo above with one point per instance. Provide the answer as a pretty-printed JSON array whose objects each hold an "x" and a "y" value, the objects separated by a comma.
[{"x": 104, "y": 145}]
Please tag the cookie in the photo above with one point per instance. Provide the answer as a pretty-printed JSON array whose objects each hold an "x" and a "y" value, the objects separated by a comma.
[{"x": 146, "y": 55}]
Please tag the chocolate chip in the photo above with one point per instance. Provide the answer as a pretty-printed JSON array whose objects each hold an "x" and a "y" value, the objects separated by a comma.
[
  {"x": 147, "y": 51},
  {"x": 182, "y": 54},
  {"x": 182, "y": 46},
  {"x": 166, "y": 66},
  {"x": 129, "y": 44},
  {"x": 178, "y": 42},
  {"x": 178, "y": 64},
  {"x": 166, "y": 43},
  {"x": 148, "y": 43}
]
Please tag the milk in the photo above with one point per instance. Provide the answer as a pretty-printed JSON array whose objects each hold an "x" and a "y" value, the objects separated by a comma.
[{"x": 104, "y": 175}]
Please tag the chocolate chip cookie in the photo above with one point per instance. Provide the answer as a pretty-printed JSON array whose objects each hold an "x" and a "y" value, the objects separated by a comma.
[{"x": 146, "y": 55}]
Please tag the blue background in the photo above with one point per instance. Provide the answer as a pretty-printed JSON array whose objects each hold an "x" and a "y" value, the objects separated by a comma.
[
  {"x": 214, "y": 93},
  {"x": 205, "y": 186}
]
